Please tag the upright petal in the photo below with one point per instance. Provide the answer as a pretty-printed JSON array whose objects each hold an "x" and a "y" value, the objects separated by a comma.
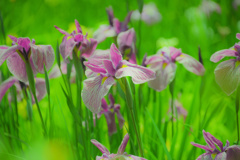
[
  {"x": 138, "y": 73},
  {"x": 164, "y": 76},
  {"x": 227, "y": 76},
  {"x": 110, "y": 15},
  {"x": 202, "y": 147},
  {"x": 116, "y": 56},
  {"x": 110, "y": 117},
  {"x": 208, "y": 138},
  {"x": 111, "y": 99},
  {"x": 25, "y": 43},
  {"x": 233, "y": 152},
  {"x": 191, "y": 64},
  {"x": 101, "y": 147},
  {"x": 14, "y": 39},
  {"x": 126, "y": 21},
  {"x": 108, "y": 65},
  {"x": 6, "y": 52},
  {"x": 66, "y": 47},
  {"x": 94, "y": 90},
  {"x": 79, "y": 29},
  {"x": 117, "y": 25},
  {"x": 219, "y": 55},
  {"x": 123, "y": 145},
  {"x": 104, "y": 104},
  {"x": 6, "y": 85},
  {"x": 62, "y": 31},
  {"x": 42, "y": 55}
]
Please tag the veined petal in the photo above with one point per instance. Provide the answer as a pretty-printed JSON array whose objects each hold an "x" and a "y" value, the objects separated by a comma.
[
  {"x": 79, "y": 29},
  {"x": 154, "y": 59},
  {"x": 94, "y": 90},
  {"x": 103, "y": 32},
  {"x": 123, "y": 145},
  {"x": 62, "y": 31},
  {"x": 66, "y": 47},
  {"x": 6, "y": 52},
  {"x": 205, "y": 156},
  {"x": 117, "y": 25},
  {"x": 208, "y": 138},
  {"x": 164, "y": 76},
  {"x": 95, "y": 68},
  {"x": 201, "y": 146},
  {"x": 227, "y": 75},
  {"x": 89, "y": 73},
  {"x": 6, "y": 85},
  {"x": 138, "y": 73},
  {"x": 116, "y": 56},
  {"x": 101, "y": 147},
  {"x": 42, "y": 54},
  {"x": 40, "y": 89},
  {"x": 221, "y": 156},
  {"x": 108, "y": 65},
  {"x": 88, "y": 47},
  {"x": 219, "y": 55},
  {"x": 127, "y": 38},
  {"x": 233, "y": 152},
  {"x": 191, "y": 64}
]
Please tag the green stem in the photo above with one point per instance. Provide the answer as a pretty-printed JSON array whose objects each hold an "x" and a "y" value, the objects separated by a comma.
[
  {"x": 171, "y": 89},
  {"x": 237, "y": 109},
  {"x": 130, "y": 106}
]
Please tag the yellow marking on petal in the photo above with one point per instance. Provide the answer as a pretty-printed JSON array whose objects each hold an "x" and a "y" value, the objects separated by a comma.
[
  {"x": 103, "y": 80},
  {"x": 237, "y": 63},
  {"x": 123, "y": 66},
  {"x": 164, "y": 65},
  {"x": 181, "y": 55},
  {"x": 69, "y": 37},
  {"x": 214, "y": 155},
  {"x": 130, "y": 157}
]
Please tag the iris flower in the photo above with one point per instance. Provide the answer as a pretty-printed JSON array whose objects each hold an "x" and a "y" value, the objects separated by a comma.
[
  {"x": 120, "y": 154},
  {"x": 24, "y": 51},
  {"x": 215, "y": 150},
  {"x": 127, "y": 45},
  {"x": 109, "y": 112},
  {"x": 227, "y": 73},
  {"x": 76, "y": 39},
  {"x": 102, "y": 76},
  {"x": 114, "y": 27},
  {"x": 164, "y": 63}
]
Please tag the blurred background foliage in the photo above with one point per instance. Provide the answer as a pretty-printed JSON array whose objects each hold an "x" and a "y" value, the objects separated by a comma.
[{"x": 185, "y": 24}]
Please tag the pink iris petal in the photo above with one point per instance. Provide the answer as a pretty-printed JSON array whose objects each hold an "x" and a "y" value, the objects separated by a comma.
[
  {"x": 25, "y": 43},
  {"x": 103, "y": 32},
  {"x": 126, "y": 21},
  {"x": 202, "y": 147},
  {"x": 191, "y": 64},
  {"x": 205, "y": 156},
  {"x": 110, "y": 15},
  {"x": 238, "y": 36},
  {"x": 153, "y": 59},
  {"x": 116, "y": 56},
  {"x": 79, "y": 29},
  {"x": 150, "y": 14},
  {"x": 117, "y": 25},
  {"x": 221, "y": 156},
  {"x": 216, "y": 141},
  {"x": 233, "y": 152},
  {"x": 6, "y": 52},
  {"x": 110, "y": 117},
  {"x": 163, "y": 75},
  {"x": 94, "y": 90},
  {"x": 219, "y": 55},
  {"x": 111, "y": 99},
  {"x": 78, "y": 37},
  {"x": 227, "y": 75},
  {"x": 138, "y": 73},
  {"x": 88, "y": 47},
  {"x": 89, "y": 73},
  {"x": 99, "y": 55},
  {"x": 119, "y": 117},
  {"x": 62, "y": 31},
  {"x": 42, "y": 54},
  {"x": 95, "y": 68},
  {"x": 208, "y": 138},
  {"x": 127, "y": 38},
  {"x": 6, "y": 85},
  {"x": 227, "y": 145},
  {"x": 104, "y": 104},
  {"x": 66, "y": 47},
  {"x": 102, "y": 148},
  {"x": 17, "y": 67},
  {"x": 14, "y": 39},
  {"x": 40, "y": 89},
  {"x": 108, "y": 65},
  {"x": 123, "y": 145}
]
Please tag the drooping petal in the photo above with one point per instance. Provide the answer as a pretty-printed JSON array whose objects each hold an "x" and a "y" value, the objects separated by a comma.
[
  {"x": 79, "y": 29},
  {"x": 191, "y": 64},
  {"x": 227, "y": 76},
  {"x": 110, "y": 117},
  {"x": 221, "y": 156},
  {"x": 219, "y": 55},
  {"x": 201, "y": 146},
  {"x": 108, "y": 65},
  {"x": 40, "y": 89},
  {"x": 205, "y": 156},
  {"x": 42, "y": 55},
  {"x": 94, "y": 90},
  {"x": 233, "y": 152},
  {"x": 95, "y": 68},
  {"x": 101, "y": 147},
  {"x": 62, "y": 31},
  {"x": 154, "y": 59},
  {"x": 116, "y": 56},
  {"x": 127, "y": 38},
  {"x": 89, "y": 73},
  {"x": 88, "y": 47},
  {"x": 164, "y": 75},
  {"x": 103, "y": 32},
  {"x": 138, "y": 73},
  {"x": 6, "y": 85},
  {"x": 123, "y": 145},
  {"x": 6, "y": 52},
  {"x": 66, "y": 47}
]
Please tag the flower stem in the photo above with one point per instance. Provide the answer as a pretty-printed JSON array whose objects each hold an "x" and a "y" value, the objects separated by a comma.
[
  {"x": 33, "y": 90},
  {"x": 171, "y": 89},
  {"x": 130, "y": 106},
  {"x": 237, "y": 109}
]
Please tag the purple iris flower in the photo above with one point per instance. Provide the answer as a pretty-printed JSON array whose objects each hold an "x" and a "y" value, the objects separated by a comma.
[
  {"x": 127, "y": 45},
  {"x": 109, "y": 112},
  {"x": 164, "y": 63},
  {"x": 215, "y": 150},
  {"x": 39, "y": 84},
  {"x": 78, "y": 40},
  {"x": 23, "y": 50},
  {"x": 102, "y": 73},
  {"x": 227, "y": 72},
  {"x": 120, "y": 154},
  {"x": 114, "y": 27}
]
